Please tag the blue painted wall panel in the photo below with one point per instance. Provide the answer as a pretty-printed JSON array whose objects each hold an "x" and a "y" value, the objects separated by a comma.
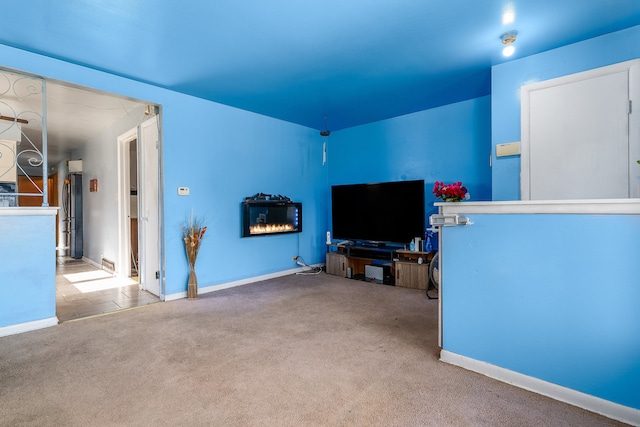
[
  {"x": 27, "y": 282},
  {"x": 239, "y": 154},
  {"x": 449, "y": 143},
  {"x": 550, "y": 296},
  {"x": 509, "y": 77}
]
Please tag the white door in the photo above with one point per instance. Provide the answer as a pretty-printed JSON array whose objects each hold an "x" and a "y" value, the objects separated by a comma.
[
  {"x": 575, "y": 137},
  {"x": 123, "y": 265},
  {"x": 148, "y": 209}
]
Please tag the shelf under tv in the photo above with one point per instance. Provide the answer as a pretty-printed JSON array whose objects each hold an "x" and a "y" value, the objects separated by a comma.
[{"x": 401, "y": 267}]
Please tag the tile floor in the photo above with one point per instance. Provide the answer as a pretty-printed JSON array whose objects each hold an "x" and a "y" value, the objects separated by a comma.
[{"x": 82, "y": 290}]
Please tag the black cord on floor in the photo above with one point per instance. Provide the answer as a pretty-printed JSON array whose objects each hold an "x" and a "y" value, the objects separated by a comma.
[{"x": 311, "y": 270}]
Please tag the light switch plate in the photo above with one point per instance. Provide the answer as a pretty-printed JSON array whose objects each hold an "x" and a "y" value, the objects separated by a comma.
[
  {"x": 183, "y": 191},
  {"x": 508, "y": 149}
]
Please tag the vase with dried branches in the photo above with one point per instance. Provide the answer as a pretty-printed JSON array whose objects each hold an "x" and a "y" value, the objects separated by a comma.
[{"x": 193, "y": 233}]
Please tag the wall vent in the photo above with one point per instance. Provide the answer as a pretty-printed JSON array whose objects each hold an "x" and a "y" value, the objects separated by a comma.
[{"x": 108, "y": 265}]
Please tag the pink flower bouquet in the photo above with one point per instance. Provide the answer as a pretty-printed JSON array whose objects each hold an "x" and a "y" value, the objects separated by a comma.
[{"x": 453, "y": 192}]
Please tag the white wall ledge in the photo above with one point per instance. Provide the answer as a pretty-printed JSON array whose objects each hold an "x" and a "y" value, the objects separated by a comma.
[
  {"x": 29, "y": 211},
  {"x": 595, "y": 206}
]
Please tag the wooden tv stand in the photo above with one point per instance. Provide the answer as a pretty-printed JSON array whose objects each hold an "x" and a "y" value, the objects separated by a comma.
[{"x": 405, "y": 271}]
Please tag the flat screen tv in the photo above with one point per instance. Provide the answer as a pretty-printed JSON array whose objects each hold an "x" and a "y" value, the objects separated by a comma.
[{"x": 386, "y": 212}]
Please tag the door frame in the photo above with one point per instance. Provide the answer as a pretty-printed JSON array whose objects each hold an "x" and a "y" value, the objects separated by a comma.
[
  {"x": 124, "y": 206},
  {"x": 123, "y": 264}
]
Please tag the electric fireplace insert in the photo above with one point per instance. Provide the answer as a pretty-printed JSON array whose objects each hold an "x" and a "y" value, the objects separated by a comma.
[{"x": 264, "y": 214}]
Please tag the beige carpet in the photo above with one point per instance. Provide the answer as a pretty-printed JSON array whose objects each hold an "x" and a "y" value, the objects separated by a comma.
[{"x": 294, "y": 351}]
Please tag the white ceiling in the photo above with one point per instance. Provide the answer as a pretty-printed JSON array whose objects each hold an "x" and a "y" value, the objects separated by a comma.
[{"x": 74, "y": 115}]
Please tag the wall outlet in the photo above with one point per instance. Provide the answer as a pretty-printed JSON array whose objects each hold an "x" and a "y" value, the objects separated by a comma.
[{"x": 295, "y": 258}]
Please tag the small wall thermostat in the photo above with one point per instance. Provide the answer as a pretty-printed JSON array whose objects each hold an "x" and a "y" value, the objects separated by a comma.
[
  {"x": 508, "y": 149},
  {"x": 183, "y": 191}
]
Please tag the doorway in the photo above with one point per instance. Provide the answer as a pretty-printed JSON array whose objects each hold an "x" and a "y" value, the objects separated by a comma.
[
  {"x": 139, "y": 215},
  {"x": 83, "y": 125},
  {"x": 85, "y": 290},
  {"x": 577, "y": 125},
  {"x": 133, "y": 208},
  {"x": 129, "y": 258}
]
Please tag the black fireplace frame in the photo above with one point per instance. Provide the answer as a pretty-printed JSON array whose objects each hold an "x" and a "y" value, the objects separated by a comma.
[{"x": 267, "y": 205}]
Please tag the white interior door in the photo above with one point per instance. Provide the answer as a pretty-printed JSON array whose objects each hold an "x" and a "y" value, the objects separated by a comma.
[
  {"x": 148, "y": 208},
  {"x": 123, "y": 265},
  {"x": 575, "y": 137}
]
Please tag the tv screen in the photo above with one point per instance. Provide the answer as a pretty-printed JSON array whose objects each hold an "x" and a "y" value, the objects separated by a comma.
[{"x": 388, "y": 212}]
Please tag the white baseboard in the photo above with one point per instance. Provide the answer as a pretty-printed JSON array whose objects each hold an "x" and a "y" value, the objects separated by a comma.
[
  {"x": 92, "y": 262},
  {"x": 173, "y": 297},
  {"x": 45, "y": 323},
  {"x": 235, "y": 283},
  {"x": 28, "y": 326},
  {"x": 582, "y": 400}
]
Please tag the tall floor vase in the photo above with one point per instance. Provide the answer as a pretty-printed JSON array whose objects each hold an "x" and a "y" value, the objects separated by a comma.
[{"x": 192, "y": 285}]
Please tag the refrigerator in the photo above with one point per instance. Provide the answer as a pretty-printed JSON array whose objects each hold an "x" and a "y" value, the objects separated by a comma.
[{"x": 75, "y": 216}]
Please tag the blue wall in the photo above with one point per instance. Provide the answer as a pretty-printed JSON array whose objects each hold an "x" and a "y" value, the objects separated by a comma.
[
  {"x": 28, "y": 268},
  {"x": 565, "y": 310},
  {"x": 232, "y": 154},
  {"x": 449, "y": 143},
  {"x": 507, "y": 78},
  {"x": 239, "y": 154}
]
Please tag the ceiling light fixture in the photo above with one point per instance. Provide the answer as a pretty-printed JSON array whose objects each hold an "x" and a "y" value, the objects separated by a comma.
[{"x": 508, "y": 39}]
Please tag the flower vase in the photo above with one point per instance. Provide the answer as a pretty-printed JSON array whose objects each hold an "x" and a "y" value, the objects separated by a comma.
[{"x": 192, "y": 285}]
